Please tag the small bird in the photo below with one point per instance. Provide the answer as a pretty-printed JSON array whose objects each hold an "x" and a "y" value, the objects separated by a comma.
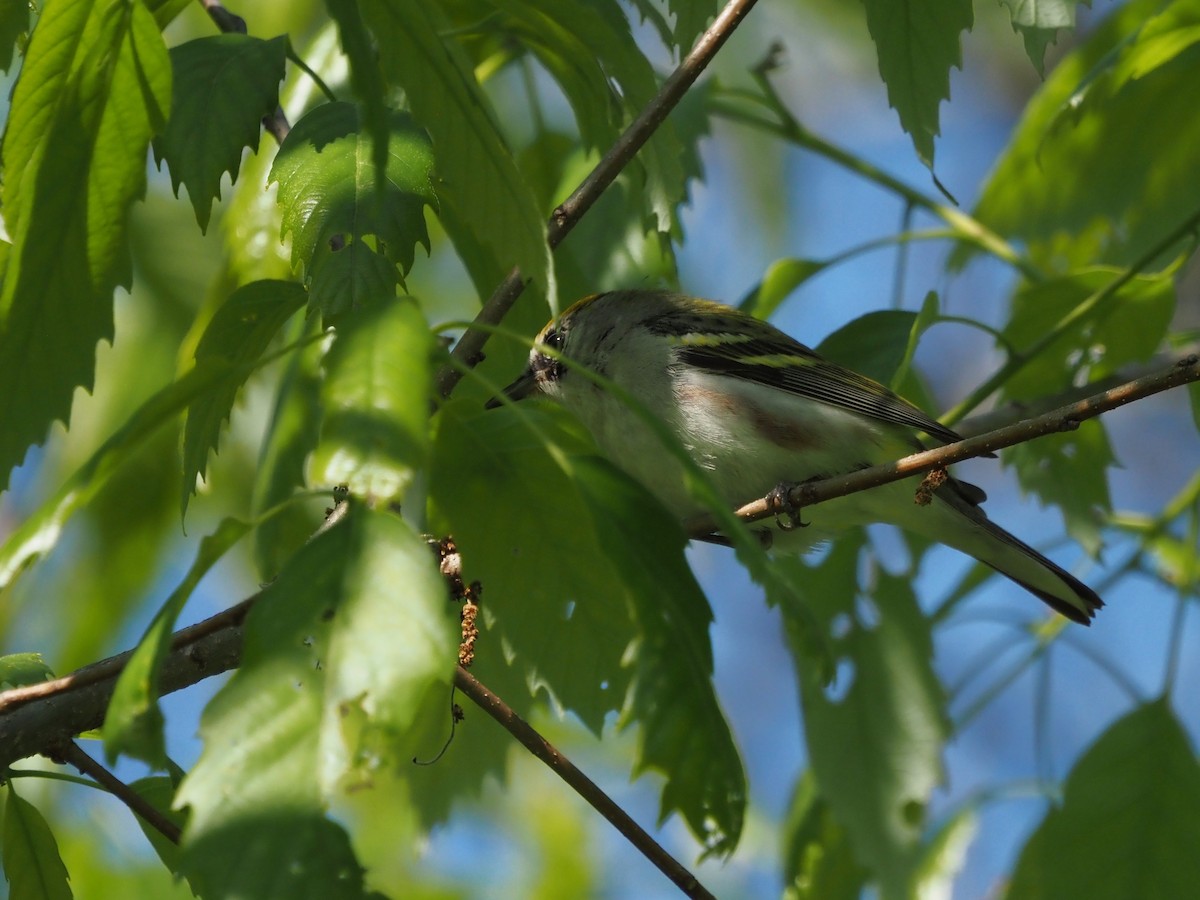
[{"x": 757, "y": 409}]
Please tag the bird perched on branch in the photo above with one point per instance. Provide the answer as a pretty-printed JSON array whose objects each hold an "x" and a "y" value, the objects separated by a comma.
[{"x": 757, "y": 409}]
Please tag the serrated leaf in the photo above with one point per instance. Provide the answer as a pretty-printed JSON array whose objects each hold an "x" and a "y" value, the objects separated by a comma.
[
  {"x": 476, "y": 175},
  {"x": 235, "y": 339},
  {"x": 589, "y": 50},
  {"x": 1070, "y": 471},
  {"x": 566, "y": 634},
  {"x": 1128, "y": 327},
  {"x": 223, "y": 86},
  {"x": 691, "y": 18},
  {"x": 875, "y": 736},
  {"x": 1102, "y": 164},
  {"x": 1038, "y": 22},
  {"x": 32, "y": 864},
  {"x": 350, "y": 278},
  {"x": 329, "y": 188},
  {"x": 375, "y": 397},
  {"x": 684, "y": 734},
  {"x": 134, "y": 723},
  {"x": 39, "y": 533},
  {"x": 94, "y": 87},
  {"x": 320, "y": 649},
  {"x": 17, "y": 669},
  {"x": 917, "y": 42},
  {"x": 1135, "y": 793}
]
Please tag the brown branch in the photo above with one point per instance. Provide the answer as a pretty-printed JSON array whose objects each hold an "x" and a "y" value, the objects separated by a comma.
[
  {"x": 1064, "y": 418},
  {"x": 469, "y": 348},
  {"x": 580, "y": 783},
  {"x": 72, "y": 753}
]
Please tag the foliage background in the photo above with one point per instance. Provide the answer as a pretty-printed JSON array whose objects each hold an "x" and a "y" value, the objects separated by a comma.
[{"x": 760, "y": 200}]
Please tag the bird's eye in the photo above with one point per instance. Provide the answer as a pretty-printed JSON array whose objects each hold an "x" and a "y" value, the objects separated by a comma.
[{"x": 554, "y": 340}]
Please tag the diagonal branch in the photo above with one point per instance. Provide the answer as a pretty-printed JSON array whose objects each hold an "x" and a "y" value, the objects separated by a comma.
[
  {"x": 470, "y": 346},
  {"x": 578, "y": 782},
  {"x": 1064, "y": 418}
]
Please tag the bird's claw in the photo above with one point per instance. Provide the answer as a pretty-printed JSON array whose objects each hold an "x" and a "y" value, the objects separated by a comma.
[{"x": 787, "y": 513}]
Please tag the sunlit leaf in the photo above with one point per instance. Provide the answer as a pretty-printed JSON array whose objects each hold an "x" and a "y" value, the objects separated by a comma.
[
  {"x": 94, "y": 87},
  {"x": 134, "y": 723},
  {"x": 237, "y": 337}
]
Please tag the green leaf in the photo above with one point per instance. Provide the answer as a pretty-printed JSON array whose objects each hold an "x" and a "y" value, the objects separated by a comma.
[
  {"x": 684, "y": 734},
  {"x": 477, "y": 178},
  {"x": 500, "y": 484},
  {"x": 1128, "y": 327},
  {"x": 32, "y": 864},
  {"x": 159, "y": 791},
  {"x": 223, "y": 86},
  {"x": 14, "y": 23},
  {"x": 589, "y": 50},
  {"x": 336, "y": 648},
  {"x": 18, "y": 669},
  {"x": 875, "y": 736},
  {"x": 365, "y": 76},
  {"x": 944, "y": 857},
  {"x": 94, "y": 87},
  {"x": 818, "y": 861},
  {"x": 1038, "y": 22},
  {"x": 236, "y": 338},
  {"x": 291, "y": 436},
  {"x": 781, "y": 278},
  {"x": 39, "y": 533},
  {"x": 350, "y": 278},
  {"x": 331, "y": 193},
  {"x": 1070, "y": 471},
  {"x": 691, "y": 18},
  {"x": 376, "y": 396},
  {"x": 1135, "y": 793},
  {"x": 875, "y": 344},
  {"x": 1102, "y": 163},
  {"x": 917, "y": 42},
  {"x": 134, "y": 723}
]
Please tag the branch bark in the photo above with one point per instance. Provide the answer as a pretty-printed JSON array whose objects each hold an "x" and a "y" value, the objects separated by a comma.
[
  {"x": 1064, "y": 418},
  {"x": 469, "y": 348}
]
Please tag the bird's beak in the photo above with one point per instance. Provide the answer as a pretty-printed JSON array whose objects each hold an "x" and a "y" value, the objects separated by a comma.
[{"x": 520, "y": 389}]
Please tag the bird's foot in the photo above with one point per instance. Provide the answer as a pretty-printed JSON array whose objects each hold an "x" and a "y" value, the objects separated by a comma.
[{"x": 786, "y": 512}]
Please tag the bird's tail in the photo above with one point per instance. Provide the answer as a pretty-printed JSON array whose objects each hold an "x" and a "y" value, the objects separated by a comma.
[{"x": 983, "y": 539}]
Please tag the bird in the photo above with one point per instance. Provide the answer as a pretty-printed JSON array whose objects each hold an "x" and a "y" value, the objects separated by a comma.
[{"x": 758, "y": 410}]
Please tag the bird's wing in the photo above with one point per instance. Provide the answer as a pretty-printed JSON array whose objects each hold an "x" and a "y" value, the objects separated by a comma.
[{"x": 785, "y": 364}]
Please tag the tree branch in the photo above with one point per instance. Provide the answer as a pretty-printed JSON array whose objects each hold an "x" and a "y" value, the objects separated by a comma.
[
  {"x": 470, "y": 346},
  {"x": 580, "y": 783},
  {"x": 72, "y": 753},
  {"x": 1064, "y": 418}
]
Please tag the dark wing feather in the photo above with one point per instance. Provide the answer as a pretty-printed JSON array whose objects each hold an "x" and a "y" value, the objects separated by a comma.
[{"x": 804, "y": 373}]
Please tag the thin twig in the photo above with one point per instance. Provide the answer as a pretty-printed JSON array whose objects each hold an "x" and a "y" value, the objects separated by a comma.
[
  {"x": 1065, "y": 418},
  {"x": 72, "y": 753},
  {"x": 580, "y": 783},
  {"x": 469, "y": 348}
]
